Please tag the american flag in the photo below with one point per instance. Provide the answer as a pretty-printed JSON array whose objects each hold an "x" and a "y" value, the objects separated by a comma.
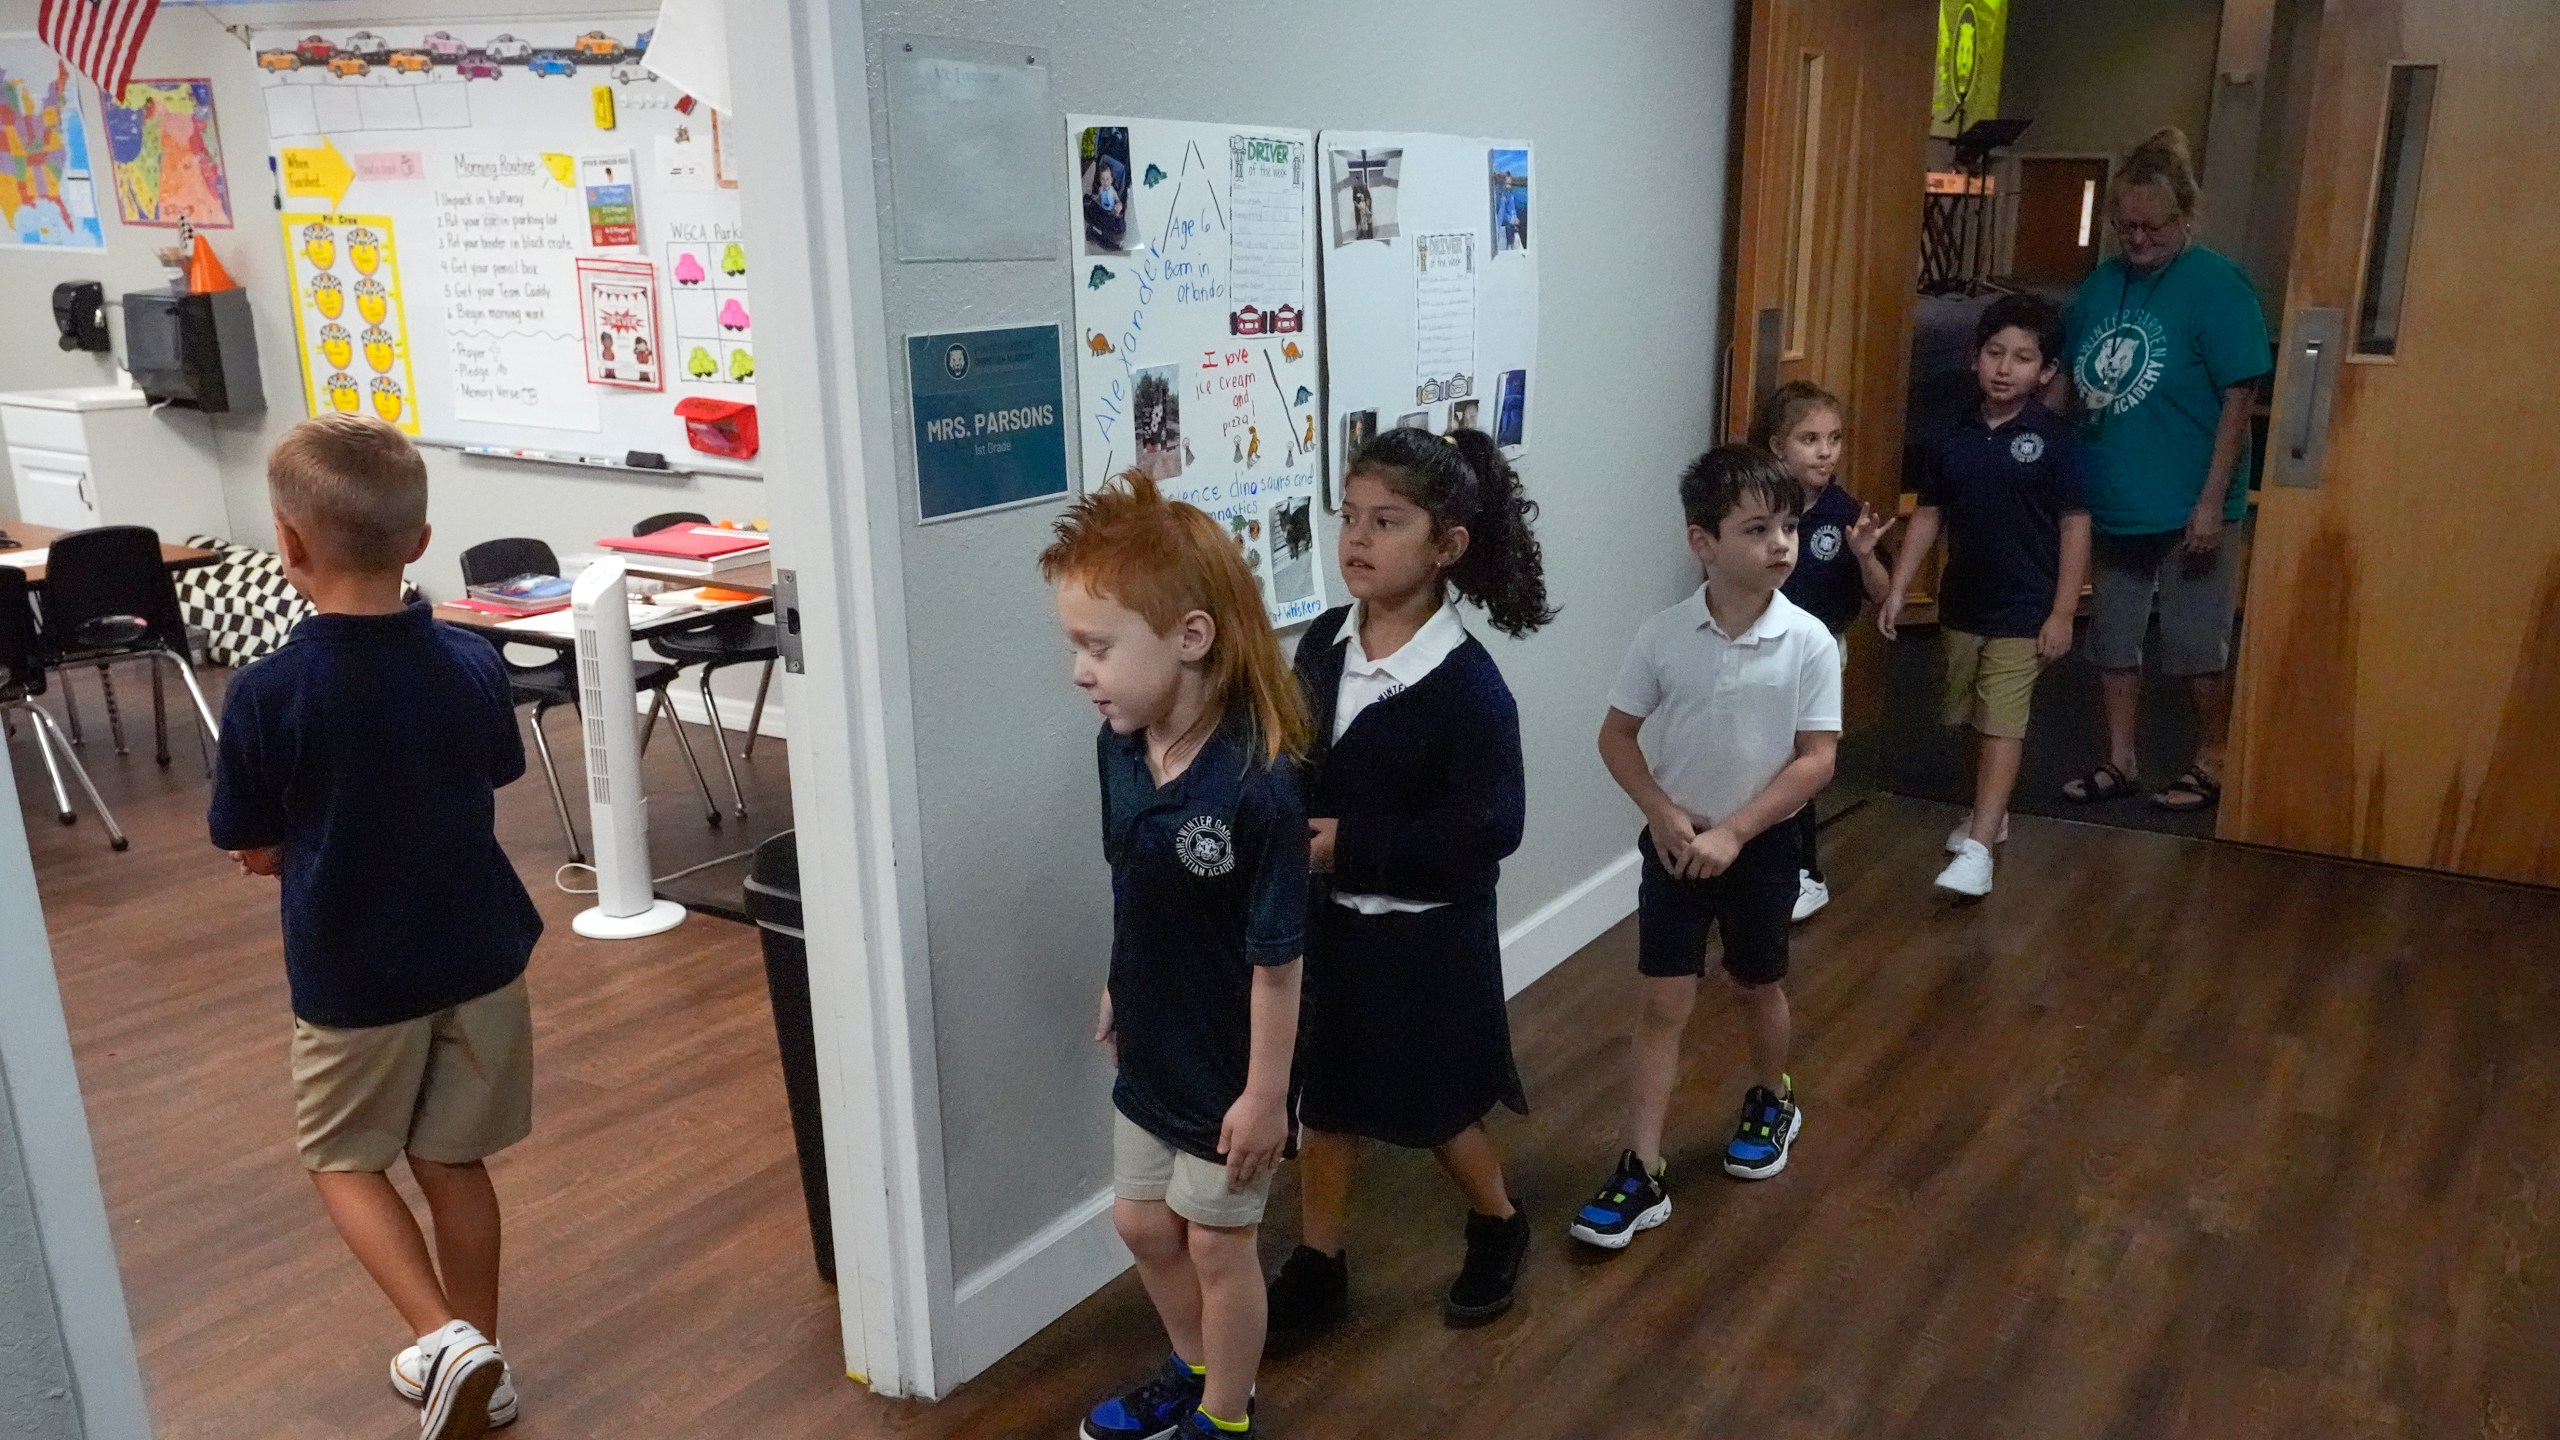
[{"x": 99, "y": 37}]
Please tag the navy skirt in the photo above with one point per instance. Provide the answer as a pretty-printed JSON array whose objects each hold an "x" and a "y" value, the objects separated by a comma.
[{"x": 1403, "y": 1035}]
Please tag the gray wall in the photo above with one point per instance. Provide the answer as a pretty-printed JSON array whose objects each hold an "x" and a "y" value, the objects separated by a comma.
[
  {"x": 2100, "y": 77},
  {"x": 67, "y": 1365},
  {"x": 1625, "y": 102},
  {"x": 471, "y": 500},
  {"x": 36, "y": 1401}
]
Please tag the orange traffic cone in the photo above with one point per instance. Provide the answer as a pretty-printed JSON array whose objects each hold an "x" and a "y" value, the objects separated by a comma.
[{"x": 205, "y": 272}]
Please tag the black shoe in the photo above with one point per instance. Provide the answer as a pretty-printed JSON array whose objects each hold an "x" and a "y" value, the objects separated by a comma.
[
  {"x": 1311, "y": 1294},
  {"x": 1485, "y": 1283},
  {"x": 1629, "y": 1202},
  {"x": 1767, "y": 1132}
]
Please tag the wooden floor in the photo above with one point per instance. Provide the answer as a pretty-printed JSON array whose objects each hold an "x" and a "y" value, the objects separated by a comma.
[{"x": 2163, "y": 1139}]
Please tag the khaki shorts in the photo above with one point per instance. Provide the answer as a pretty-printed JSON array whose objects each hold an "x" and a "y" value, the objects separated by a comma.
[
  {"x": 1146, "y": 1168},
  {"x": 452, "y": 1087},
  {"x": 1991, "y": 683}
]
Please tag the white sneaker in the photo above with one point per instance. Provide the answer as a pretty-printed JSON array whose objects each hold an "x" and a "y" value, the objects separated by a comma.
[
  {"x": 1811, "y": 894},
  {"x": 458, "y": 1374},
  {"x": 1970, "y": 872},
  {"x": 1964, "y": 832},
  {"x": 408, "y": 1369}
]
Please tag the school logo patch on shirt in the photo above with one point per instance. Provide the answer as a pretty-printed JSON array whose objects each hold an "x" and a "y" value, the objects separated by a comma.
[
  {"x": 1205, "y": 847},
  {"x": 2121, "y": 363},
  {"x": 1823, "y": 543},
  {"x": 2027, "y": 449}
]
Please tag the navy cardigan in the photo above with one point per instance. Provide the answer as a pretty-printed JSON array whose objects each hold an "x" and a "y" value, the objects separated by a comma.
[{"x": 1426, "y": 784}]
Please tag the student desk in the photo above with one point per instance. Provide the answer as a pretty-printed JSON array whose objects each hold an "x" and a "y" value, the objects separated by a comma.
[
  {"x": 513, "y": 632},
  {"x": 24, "y": 536}
]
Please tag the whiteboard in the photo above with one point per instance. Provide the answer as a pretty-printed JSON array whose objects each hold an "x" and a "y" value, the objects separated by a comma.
[
  {"x": 1431, "y": 287},
  {"x": 508, "y": 234},
  {"x": 1194, "y": 272}
]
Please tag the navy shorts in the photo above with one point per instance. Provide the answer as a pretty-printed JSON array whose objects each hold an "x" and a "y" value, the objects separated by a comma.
[{"x": 1752, "y": 905}]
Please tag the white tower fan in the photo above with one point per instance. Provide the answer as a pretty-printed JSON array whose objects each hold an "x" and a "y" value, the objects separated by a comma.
[{"x": 626, "y": 907}]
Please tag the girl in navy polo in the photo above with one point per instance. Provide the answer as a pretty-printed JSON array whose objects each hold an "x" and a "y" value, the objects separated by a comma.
[
  {"x": 1208, "y": 847},
  {"x": 1837, "y": 569},
  {"x": 1415, "y": 791}
]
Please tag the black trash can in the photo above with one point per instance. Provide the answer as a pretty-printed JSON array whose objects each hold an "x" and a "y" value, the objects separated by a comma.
[{"x": 773, "y": 901}]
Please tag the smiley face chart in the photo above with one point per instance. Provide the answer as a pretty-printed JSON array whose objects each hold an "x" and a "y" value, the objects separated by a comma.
[{"x": 350, "y": 327}]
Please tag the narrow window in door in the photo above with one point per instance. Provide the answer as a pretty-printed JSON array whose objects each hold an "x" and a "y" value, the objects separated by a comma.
[
  {"x": 1798, "y": 282},
  {"x": 2395, "y": 209}
]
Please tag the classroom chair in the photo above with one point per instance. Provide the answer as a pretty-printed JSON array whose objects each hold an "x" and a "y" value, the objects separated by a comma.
[
  {"x": 554, "y": 683},
  {"x": 728, "y": 640},
  {"x": 22, "y": 679},
  {"x": 108, "y": 597}
]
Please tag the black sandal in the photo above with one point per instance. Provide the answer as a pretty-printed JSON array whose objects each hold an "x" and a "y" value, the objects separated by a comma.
[
  {"x": 2189, "y": 793},
  {"x": 2104, "y": 783}
]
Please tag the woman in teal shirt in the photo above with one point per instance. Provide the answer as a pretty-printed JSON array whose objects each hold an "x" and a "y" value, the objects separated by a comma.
[{"x": 2166, "y": 344}]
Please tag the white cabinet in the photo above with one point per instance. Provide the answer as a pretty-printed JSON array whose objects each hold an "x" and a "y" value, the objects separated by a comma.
[{"x": 100, "y": 456}]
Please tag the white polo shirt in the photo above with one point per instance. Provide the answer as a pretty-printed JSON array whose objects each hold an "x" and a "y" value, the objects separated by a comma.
[
  {"x": 1365, "y": 682},
  {"x": 1721, "y": 711}
]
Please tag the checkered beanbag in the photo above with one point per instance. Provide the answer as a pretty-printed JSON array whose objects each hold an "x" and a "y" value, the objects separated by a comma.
[{"x": 242, "y": 602}]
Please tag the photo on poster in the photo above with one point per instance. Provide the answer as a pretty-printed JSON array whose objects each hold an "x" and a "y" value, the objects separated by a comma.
[
  {"x": 1508, "y": 179},
  {"x": 618, "y": 300},
  {"x": 1462, "y": 415},
  {"x": 1293, "y": 551},
  {"x": 1155, "y": 414},
  {"x": 1364, "y": 194},
  {"x": 1512, "y": 408},
  {"x": 1414, "y": 420},
  {"x": 1102, "y": 156}
]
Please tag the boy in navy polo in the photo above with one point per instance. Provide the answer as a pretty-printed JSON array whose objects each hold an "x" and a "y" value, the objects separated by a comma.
[
  {"x": 2006, "y": 487},
  {"x": 1208, "y": 841},
  {"x": 360, "y": 764}
]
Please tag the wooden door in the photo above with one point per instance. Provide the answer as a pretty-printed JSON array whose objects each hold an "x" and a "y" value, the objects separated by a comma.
[
  {"x": 2399, "y": 688},
  {"x": 2062, "y": 208},
  {"x": 1831, "y": 125}
]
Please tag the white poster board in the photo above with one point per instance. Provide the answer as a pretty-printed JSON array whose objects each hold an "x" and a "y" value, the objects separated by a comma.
[
  {"x": 554, "y": 234},
  {"x": 1431, "y": 286},
  {"x": 1194, "y": 267}
]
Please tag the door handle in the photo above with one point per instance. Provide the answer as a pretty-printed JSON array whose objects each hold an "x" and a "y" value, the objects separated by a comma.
[
  {"x": 2313, "y": 352},
  {"x": 2305, "y": 385}
]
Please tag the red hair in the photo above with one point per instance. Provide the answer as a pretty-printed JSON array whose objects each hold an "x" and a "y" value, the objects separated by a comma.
[{"x": 1164, "y": 559}]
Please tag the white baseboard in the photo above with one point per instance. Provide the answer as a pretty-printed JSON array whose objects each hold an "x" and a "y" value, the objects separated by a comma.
[
  {"x": 1554, "y": 931},
  {"x": 734, "y": 711},
  {"x": 1020, "y": 1292},
  {"x": 1037, "y": 1281}
]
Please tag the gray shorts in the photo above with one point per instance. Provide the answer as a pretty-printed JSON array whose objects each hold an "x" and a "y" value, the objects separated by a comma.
[{"x": 2196, "y": 603}]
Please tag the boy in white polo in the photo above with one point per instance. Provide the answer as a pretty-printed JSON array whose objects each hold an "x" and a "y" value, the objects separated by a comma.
[{"x": 1723, "y": 723}]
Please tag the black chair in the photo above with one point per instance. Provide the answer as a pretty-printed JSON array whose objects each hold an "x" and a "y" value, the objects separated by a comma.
[
  {"x": 726, "y": 641},
  {"x": 554, "y": 682},
  {"x": 22, "y": 679},
  {"x": 108, "y": 597}
]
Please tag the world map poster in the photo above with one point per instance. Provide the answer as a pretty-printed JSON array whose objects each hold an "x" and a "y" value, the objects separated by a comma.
[
  {"x": 167, "y": 155},
  {"x": 46, "y": 194}
]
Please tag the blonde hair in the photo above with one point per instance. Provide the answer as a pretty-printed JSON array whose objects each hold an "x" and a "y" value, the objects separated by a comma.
[
  {"x": 2165, "y": 160},
  {"x": 354, "y": 486},
  {"x": 1164, "y": 559}
]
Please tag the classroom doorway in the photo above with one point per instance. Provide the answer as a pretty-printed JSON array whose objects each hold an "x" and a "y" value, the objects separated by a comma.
[{"x": 1894, "y": 181}]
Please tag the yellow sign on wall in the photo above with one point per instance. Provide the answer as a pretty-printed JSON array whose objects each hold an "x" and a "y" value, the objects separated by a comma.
[
  {"x": 349, "y": 321},
  {"x": 1971, "y": 35}
]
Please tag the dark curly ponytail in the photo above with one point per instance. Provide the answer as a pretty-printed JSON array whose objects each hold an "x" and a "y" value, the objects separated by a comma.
[{"x": 1461, "y": 479}]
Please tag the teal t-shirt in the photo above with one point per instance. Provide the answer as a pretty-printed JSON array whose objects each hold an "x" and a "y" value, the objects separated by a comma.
[{"x": 2151, "y": 356}]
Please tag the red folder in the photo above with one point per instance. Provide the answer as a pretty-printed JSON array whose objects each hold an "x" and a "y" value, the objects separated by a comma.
[{"x": 688, "y": 542}]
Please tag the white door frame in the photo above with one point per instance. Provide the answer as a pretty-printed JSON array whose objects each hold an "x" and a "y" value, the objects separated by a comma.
[{"x": 812, "y": 213}]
